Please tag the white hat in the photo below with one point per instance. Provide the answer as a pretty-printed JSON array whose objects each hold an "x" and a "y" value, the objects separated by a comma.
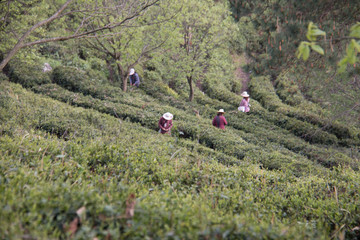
[
  {"x": 221, "y": 111},
  {"x": 132, "y": 71},
  {"x": 168, "y": 116},
  {"x": 245, "y": 94}
]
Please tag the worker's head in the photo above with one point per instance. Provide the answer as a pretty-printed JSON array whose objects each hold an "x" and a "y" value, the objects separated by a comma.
[
  {"x": 168, "y": 116},
  {"x": 132, "y": 71},
  {"x": 245, "y": 95},
  {"x": 221, "y": 112}
]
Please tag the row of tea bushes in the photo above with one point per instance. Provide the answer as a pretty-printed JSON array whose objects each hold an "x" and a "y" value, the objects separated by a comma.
[
  {"x": 260, "y": 132},
  {"x": 28, "y": 74},
  {"x": 147, "y": 117},
  {"x": 186, "y": 126},
  {"x": 290, "y": 93},
  {"x": 298, "y": 127},
  {"x": 57, "y": 186},
  {"x": 264, "y": 92},
  {"x": 77, "y": 82},
  {"x": 285, "y": 86},
  {"x": 129, "y": 182}
]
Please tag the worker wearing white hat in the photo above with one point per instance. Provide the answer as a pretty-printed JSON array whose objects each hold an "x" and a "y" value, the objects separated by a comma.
[
  {"x": 165, "y": 123},
  {"x": 245, "y": 103},
  {"x": 134, "y": 78},
  {"x": 219, "y": 120}
]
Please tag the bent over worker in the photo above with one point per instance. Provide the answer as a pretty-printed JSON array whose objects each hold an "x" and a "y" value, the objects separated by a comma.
[
  {"x": 219, "y": 120},
  {"x": 134, "y": 78},
  {"x": 165, "y": 123}
]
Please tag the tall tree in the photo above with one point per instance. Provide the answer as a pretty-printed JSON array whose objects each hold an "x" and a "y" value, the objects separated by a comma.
[
  {"x": 127, "y": 47},
  {"x": 202, "y": 27},
  {"x": 81, "y": 18}
]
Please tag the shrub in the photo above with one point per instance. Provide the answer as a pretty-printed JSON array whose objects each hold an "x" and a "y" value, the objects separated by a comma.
[
  {"x": 3, "y": 77},
  {"x": 171, "y": 187},
  {"x": 227, "y": 142},
  {"x": 263, "y": 91},
  {"x": 71, "y": 78},
  {"x": 28, "y": 74}
]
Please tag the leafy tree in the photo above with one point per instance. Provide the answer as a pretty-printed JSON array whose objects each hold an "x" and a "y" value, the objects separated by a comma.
[
  {"x": 72, "y": 19},
  {"x": 202, "y": 27},
  {"x": 127, "y": 47}
]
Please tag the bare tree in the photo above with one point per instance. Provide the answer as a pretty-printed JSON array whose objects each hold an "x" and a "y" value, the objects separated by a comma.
[{"x": 89, "y": 26}]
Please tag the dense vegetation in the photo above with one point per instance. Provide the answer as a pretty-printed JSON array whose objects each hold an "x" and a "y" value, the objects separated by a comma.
[{"x": 80, "y": 152}]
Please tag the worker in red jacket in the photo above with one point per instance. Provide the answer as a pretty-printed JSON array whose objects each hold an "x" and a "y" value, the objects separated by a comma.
[
  {"x": 165, "y": 123},
  {"x": 219, "y": 120}
]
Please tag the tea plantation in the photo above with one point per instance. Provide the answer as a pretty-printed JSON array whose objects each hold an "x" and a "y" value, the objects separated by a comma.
[
  {"x": 83, "y": 159},
  {"x": 81, "y": 156}
]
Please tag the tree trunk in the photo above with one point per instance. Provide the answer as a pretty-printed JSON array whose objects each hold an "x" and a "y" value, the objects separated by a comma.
[
  {"x": 123, "y": 76},
  {"x": 191, "y": 93},
  {"x": 111, "y": 71}
]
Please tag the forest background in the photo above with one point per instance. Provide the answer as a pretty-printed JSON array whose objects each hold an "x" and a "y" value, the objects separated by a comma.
[{"x": 80, "y": 156}]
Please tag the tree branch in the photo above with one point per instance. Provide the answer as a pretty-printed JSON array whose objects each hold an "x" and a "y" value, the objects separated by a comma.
[
  {"x": 76, "y": 35},
  {"x": 20, "y": 45}
]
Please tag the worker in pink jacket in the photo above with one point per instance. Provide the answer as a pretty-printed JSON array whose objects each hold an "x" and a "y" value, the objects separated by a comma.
[
  {"x": 244, "y": 104},
  {"x": 219, "y": 120}
]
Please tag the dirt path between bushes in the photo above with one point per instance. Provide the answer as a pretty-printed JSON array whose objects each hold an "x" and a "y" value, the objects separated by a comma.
[{"x": 240, "y": 74}]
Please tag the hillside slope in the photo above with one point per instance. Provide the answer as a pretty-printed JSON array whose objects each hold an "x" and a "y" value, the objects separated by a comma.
[
  {"x": 73, "y": 143},
  {"x": 80, "y": 152}
]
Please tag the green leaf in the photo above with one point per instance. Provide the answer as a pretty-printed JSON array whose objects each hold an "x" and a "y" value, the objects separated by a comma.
[
  {"x": 352, "y": 59},
  {"x": 317, "y": 49},
  {"x": 309, "y": 36},
  {"x": 342, "y": 65},
  {"x": 300, "y": 49},
  {"x": 355, "y": 30},
  {"x": 306, "y": 53},
  {"x": 356, "y": 45},
  {"x": 318, "y": 32},
  {"x": 313, "y": 32},
  {"x": 350, "y": 50}
]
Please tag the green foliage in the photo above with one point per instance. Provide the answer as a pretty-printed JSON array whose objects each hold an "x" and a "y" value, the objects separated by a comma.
[
  {"x": 198, "y": 45},
  {"x": 351, "y": 51},
  {"x": 304, "y": 47},
  {"x": 103, "y": 161},
  {"x": 313, "y": 32},
  {"x": 263, "y": 91},
  {"x": 81, "y": 148},
  {"x": 3, "y": 77},
  {"x": 28, "y": 74},
  {"x": 280, "y": 26}
]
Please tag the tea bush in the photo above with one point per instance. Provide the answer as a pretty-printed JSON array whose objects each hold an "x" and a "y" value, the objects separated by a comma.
[
  {"x": 229, "y": 143},
  {"x": 3, "y": 77},
  {"x": 260, "y": 132},
  {"x": 176, "y": 188},
  {"x": 288, "y": 91},
  {"x": 264, "y": 92},
  {"x": 287, "y": 88},
  {"x": 28, "y": 74}
]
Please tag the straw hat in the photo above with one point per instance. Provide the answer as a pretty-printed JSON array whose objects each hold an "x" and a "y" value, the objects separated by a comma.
[
  {"x": 245, "y": 94},
  {"x": 168, "y": 116},
  {"x": 221, "y": 111},
  {"x": 132, "y": 71}
]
